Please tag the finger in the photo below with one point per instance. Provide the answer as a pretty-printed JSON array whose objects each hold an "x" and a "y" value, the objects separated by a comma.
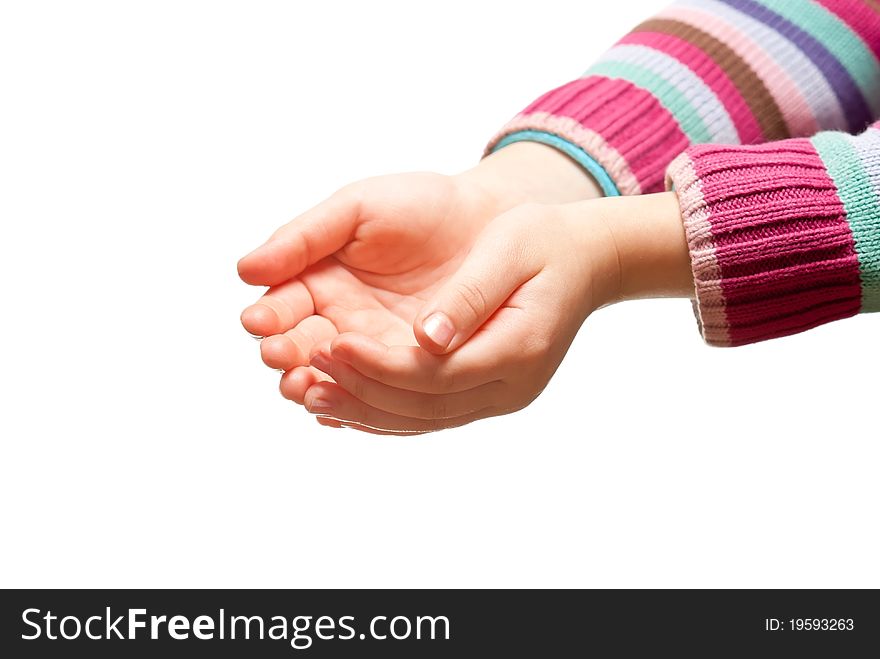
[
  {"x": 305, "y": 240},
  {"x": 410, "y": 367},
  {"x": 335, "y": 423},
  {"x": 293, "y": 347},
  {"x": 279, "y": 309},
  {"x": 403, "y": 401},
  {"x": 496, "y": 266},
  {"x": 331, "y": 400},
  {"x": 295, "y": 382}
]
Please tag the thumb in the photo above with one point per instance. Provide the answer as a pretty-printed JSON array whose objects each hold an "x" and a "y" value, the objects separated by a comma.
[{"x": 496, "y": 266}]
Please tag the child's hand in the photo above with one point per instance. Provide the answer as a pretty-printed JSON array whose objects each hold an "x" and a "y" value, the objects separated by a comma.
[
  {"x": 367, "y": 259},
  {"x": 506, "y": 316}
]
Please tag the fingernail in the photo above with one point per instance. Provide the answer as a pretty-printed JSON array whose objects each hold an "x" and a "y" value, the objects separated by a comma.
[
  {"x": 320, "y": 406},
  {"x": 321, "y": 361},
  {"x": 439, "y": 328}
]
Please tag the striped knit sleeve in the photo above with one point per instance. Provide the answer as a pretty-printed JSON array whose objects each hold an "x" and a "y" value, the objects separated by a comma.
[
  {"x": 783, "y": 236},
  {"x": 711, "y": 71}
]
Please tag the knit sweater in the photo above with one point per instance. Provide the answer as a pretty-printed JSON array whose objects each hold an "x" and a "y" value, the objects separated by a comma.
[{"x": 740, "y": 107}]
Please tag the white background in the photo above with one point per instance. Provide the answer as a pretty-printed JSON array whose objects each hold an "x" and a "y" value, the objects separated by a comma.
[{"x": 146, "y": 146}]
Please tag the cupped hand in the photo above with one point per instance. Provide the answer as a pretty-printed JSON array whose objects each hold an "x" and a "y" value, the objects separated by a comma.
[
  {"x": 512, "y": 308},
  {"x": 368, "y": 258}
]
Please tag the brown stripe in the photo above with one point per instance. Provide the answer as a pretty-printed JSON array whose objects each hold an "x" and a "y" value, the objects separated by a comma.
[
  {"x": 873, "y": 4},
  {"x": 753, "y": 90}
]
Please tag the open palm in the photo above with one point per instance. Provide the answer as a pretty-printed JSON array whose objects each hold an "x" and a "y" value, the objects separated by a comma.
[{"x": 365, "y": 260}]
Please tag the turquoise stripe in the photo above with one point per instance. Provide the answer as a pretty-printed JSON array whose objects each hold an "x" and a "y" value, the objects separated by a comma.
[
  {"x": 860, "y": 202},
  {"x": 668, "y": 96},
  {"x": 846, "y": 46},
  {"x": 573, "y": 151}
]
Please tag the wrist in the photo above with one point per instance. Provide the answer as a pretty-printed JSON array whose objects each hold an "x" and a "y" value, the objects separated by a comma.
[
  {"x": 649, "y": 240},
  {"x": 529, "y": 172}
]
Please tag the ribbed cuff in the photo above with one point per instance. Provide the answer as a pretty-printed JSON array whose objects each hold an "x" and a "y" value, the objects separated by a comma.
[
  {"x": 771, "y": 250},
  {"x": 622, "y": 128}
]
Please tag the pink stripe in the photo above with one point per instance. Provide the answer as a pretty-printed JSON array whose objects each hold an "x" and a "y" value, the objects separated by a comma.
[
  {"x": 631, "y": 121},
  {"x": 713, "y": 75},
  {"x": 710, "y": 305},
  {"x": 860, "y": 18},
  {"x": 794, "y": 107}
]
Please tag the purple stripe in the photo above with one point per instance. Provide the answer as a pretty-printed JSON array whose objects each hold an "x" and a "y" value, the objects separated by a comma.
[{"x": 857, "y": 112}]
